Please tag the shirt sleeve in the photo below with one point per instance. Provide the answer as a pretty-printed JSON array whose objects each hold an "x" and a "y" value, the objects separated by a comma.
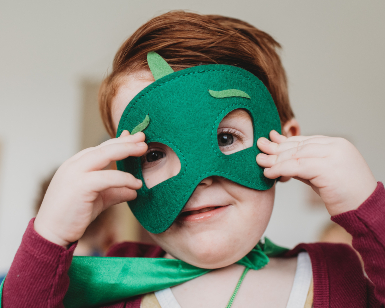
[
  {"x": 38, "y": 274},
  {"x": 367, "y": 226}
]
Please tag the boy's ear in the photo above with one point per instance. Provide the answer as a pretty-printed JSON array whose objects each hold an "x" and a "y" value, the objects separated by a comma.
[
  {"x": 291, "y": 128},
  {"x": 158, "y": 66}
]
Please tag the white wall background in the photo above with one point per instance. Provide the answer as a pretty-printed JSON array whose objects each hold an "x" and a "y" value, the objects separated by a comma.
[{"x": 333, "y": 52}]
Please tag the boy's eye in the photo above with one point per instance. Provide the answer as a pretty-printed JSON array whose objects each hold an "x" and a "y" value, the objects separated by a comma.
[
  {"x": 225, "y": 139},
  {"x": 154, "y": 156}
]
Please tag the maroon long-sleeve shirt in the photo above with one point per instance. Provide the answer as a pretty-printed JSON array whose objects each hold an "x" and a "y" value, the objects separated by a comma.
[{"x": 38, "y": 275}]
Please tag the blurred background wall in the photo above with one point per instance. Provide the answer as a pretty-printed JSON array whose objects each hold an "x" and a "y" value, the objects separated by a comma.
[{"x": 54, "y": 54}]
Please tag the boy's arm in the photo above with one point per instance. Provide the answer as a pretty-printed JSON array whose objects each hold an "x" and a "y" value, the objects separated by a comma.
[
  {"x": 79, "y": 191},
  {"x": 38, "y": 275},
  {"x": 336, "y": 170},
  {"x": 367, "y": 225}
]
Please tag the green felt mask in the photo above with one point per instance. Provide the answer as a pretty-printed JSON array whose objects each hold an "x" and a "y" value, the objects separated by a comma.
[{"x": 183, "y": 111}]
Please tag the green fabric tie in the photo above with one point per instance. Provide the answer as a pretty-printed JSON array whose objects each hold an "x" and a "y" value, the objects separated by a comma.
[{"x": 96, "y": 281}]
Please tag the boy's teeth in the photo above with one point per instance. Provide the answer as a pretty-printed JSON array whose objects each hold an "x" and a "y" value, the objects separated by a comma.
[{"x": 206, "y": 209}]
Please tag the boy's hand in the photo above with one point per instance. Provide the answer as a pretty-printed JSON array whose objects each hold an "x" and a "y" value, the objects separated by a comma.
[
  {"x": 81, "y": 189},
  {"x": 333, "y": 167}
]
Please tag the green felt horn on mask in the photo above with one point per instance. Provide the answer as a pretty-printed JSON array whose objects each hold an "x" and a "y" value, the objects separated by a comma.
[
  {"x": 183, "y": 110},
  {"x": 158, "y": 66}
]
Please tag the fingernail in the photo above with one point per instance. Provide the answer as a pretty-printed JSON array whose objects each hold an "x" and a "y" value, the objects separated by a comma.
[
  {"x": 141, "y": 144},
  {"x": 262, "y": 156},
  {"x": 139, "y": 181},
  {"x": 264, "y": 141}
]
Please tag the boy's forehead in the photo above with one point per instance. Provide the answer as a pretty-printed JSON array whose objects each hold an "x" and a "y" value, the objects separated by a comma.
[{"x": 128, "y": 86}]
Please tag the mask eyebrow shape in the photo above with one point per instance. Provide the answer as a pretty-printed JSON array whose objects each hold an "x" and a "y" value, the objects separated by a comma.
[
  {"x": 229, "y": 93},
  {"x": 142, "y": 126}
]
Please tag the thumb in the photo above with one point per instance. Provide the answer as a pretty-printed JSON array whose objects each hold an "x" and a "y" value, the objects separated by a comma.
[{"x": 284, "y": 179}]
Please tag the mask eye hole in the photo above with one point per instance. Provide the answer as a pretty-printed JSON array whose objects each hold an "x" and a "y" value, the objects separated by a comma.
[
  {"x": 235, "y": 132},
  {"x": 159, "y": 164}
]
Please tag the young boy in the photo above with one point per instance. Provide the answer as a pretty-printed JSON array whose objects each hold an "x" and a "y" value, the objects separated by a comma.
[{"x": 224, "y": 216}]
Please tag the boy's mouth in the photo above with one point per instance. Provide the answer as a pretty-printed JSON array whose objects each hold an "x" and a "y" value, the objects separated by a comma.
[{"x": 201, "y": 213}]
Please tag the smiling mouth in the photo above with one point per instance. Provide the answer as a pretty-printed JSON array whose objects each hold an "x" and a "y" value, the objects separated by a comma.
[
  {"x": 201, "y": 214},
  {"x": 206, "y": 209}
]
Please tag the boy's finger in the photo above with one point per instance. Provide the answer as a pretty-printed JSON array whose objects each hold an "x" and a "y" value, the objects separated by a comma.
[
  {"x": 124, "y": 133},
  {"x": 307, "y": 150},
  {"x": 99, "y": 181},
  {"x": 303, "y": 138},
  {"x": 100, "y": 157},
  {"x": 80, "y": 154},
  {"x": 304, "y": 168},
  {"x": 277, "y": 137},
  {"x": 269, "y": 147},
  {"x": 112, "y": 196},
  {"x": 284, "y": 179},
  {"x": 138, "y": 137}
]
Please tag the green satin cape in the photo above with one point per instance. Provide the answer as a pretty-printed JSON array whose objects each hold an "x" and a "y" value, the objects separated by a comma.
[{"x": 96, "y": 281}]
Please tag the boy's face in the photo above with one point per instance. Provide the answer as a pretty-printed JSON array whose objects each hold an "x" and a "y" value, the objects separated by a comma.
[{"x": 222, "y": 221}]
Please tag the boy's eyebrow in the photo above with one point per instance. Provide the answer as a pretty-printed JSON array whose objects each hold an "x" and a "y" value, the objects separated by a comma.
[{"x": 229, "y": 93}]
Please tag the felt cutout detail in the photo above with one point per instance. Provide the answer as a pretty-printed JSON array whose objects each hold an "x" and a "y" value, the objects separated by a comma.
[
  {"x": 229, "y": 93},
  {"x": 142, "y": 126},
  {"x": 158, "y": 66}
]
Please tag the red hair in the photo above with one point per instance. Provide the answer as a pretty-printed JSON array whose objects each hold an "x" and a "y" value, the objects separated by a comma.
[{"x": 188, "y": 39}]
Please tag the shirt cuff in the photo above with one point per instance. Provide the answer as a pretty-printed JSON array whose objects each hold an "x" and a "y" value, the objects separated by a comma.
[
  {"x": 369, "y": 215},
  {"x": 41, "y": 248}
]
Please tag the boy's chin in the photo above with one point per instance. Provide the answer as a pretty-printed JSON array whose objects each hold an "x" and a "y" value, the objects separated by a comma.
[
  {"x": 211, "y": 262},
  {"x": 212, "y": 255},
  {"x": 214, "y": 258}
]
